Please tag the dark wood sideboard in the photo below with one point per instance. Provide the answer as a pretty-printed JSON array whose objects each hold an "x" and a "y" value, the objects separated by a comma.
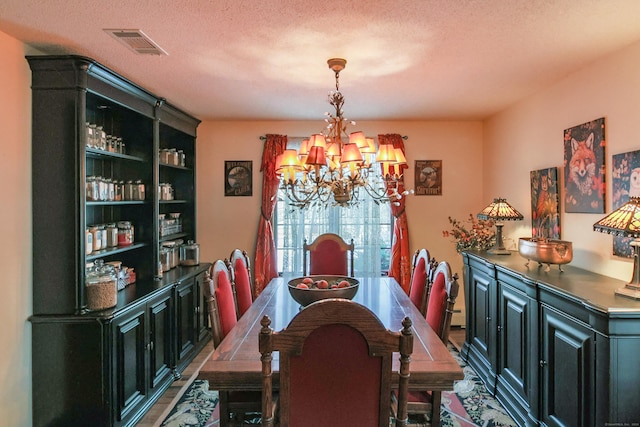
[{"x": 556, "y": 348}]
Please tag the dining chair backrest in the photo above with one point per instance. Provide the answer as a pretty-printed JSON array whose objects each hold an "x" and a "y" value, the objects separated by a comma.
[
  {"x": 224, "y": 309},
  {"x": 209, "y": 292},
  {"x": 442, "y": 298},
  {"x": 239, "y": 266},
  {"x": 328, "y": 254},
  {"x": 221, "y": 305},
  {"x": 419, "y": 279},
  {"x": 335, "y": 360}
]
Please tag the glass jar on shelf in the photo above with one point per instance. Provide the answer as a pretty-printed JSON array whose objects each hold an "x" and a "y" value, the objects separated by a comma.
[
  {"x": 112, "y": 235},
  {"x": 111, "y": 190},
  {"x": 101, "y": 138},
  {"x": 103, "y": 188},
  {"x": 125, "y": 233},
  {"x": 88, "y": 241},
  {"x": 90, "y": 137},
  {"x": 164, "y": 156},
  {"x": 102, "y": 291},
  {"x": 96, "y": 238},
  {"x": 165, "y": 259},
  {"x": 102, "y": 232},
  {"x": 140, "y": 190},
  {"x": 117, "y": 188},
  {"x": 93, "y": 189},
  {"x": 128, "y": 190}
]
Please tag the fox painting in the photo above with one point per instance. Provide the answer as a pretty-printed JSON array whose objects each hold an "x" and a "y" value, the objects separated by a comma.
[{"x": 584, "y": 168}]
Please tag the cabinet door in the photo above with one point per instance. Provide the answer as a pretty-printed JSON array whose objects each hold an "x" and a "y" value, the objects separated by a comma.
[
  {"x": 159, "y": 345},
  {"x": 186, "y": 337},
  {"x": 482, "y": 325},
  {"x": 518, "y": 350},
  {"x": 567, "y": 365},
  {"x": 130, "y": 341}
]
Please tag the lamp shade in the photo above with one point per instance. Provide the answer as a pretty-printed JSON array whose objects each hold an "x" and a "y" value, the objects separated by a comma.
[
  {"x": 290, "y": 159},
  {"x": 351, "y": 153},
  {"x": 386, "y": 154},
  {"x": 400, "y": 158},
  {"x": 499, "y": 209},
  {"x": 624, "y": 221},
  {"x": 316, "y": 156},
  {"x": 370, "y": 148},
  {"x": 358, "y": 138},
  {"x": 317, "y": 139},
  {"x": 304, "y": 148}
]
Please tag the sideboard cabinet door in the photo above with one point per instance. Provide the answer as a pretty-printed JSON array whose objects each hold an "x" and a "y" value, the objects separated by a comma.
[
  {"x": 480, "y": 346},
  {"x": 518, "y": 349},
  {"x": 567, "y": 370}
]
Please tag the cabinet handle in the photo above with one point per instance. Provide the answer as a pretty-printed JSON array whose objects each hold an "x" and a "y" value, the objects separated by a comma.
[
  {"x": 499, "y": 328},
  {"x": 543, "y": 363},
  {"x": 488, "y": 318},
  {"x": 150, "y": 346}
]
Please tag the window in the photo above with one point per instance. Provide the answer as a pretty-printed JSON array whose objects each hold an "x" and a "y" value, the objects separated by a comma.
[{"x": 369, "y": 224}]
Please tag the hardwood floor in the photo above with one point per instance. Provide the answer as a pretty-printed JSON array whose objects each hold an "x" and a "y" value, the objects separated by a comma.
[
  {"x": 167, "y": 401},
  {"x": 456, "y": 336},
  {"x": 163, "y": 406}
]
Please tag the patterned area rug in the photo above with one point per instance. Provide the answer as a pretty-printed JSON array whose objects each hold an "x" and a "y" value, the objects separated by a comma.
[{"x": 469, "y": 404}]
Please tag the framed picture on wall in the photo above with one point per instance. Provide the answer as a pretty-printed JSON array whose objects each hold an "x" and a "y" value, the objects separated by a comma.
[
  {"x": 238, "y": 177},
  {"x": 584, "y": 174},
  {"x": 545, "y": 206},
  {"x": 625, "y": 183},
  {"x": 428, "y": 178}
]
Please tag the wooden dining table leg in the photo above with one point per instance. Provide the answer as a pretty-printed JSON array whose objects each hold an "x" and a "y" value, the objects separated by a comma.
[{"x": 224, "y": 408}]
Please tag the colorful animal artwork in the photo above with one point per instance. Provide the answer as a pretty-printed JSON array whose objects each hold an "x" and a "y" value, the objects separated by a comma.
[
  {"x": 625, "y": 183},
  {"x": 545, "y": 212},
  {"x": 584, "y": 173}
]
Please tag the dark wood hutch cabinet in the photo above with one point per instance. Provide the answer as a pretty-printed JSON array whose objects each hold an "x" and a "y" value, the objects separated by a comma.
[
  {"x": 556, "y": 348},
  {"x": 106, "y": 368}
]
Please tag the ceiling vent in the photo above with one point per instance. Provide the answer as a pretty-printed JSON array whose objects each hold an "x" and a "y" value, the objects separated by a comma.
[{"x": 137, "y": 41}]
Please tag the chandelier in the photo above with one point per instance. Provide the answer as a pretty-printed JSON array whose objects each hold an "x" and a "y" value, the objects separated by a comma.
[{"x": 332, "y": 168}]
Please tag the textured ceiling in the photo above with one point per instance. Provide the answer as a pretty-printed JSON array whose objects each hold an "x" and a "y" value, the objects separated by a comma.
[{"x": 266, "y": 59}]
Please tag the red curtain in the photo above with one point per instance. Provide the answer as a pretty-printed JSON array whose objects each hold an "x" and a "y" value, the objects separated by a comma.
[
  {"x": 400, "y": 265},
  {"x": 265, "y": 266}
]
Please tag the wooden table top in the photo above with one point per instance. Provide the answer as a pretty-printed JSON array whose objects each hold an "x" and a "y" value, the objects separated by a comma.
[{"x": 235, "y": 364}]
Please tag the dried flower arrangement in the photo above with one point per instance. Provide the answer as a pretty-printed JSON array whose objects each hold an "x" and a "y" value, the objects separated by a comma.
[{"x": 478, "y": 234}]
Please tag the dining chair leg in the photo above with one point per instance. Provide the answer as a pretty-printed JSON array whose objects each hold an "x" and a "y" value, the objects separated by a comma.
[{"x": 435, "y": 409}]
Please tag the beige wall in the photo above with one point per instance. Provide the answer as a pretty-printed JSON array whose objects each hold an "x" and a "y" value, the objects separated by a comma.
[
  {"x": 529, "y": 136},
  {"x": 15, "y": 229}
]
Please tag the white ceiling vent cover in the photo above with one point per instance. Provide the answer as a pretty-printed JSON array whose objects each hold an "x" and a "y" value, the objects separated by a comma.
[{"x": 137, "y": 41}]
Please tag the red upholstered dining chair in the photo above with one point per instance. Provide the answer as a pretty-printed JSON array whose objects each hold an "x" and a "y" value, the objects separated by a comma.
[
  {"x": 420, "y": 279},
  {"x": 221, "y": 305},
  {"x": 328, "y": 254},
  {"x": 239, "y": 265},
  {"x": 442, "y": 298},
  {"x": 335, "y": 360}
]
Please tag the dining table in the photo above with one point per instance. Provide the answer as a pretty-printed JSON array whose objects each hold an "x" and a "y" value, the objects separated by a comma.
[{"x": 235, "y": 364}]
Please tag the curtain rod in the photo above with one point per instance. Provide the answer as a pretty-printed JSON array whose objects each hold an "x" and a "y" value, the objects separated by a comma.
[{"x": 264, "y": 138}]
